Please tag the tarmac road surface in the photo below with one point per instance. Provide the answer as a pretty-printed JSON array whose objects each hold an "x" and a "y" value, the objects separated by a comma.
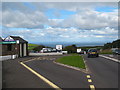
[{"x": 103, "y": 72}]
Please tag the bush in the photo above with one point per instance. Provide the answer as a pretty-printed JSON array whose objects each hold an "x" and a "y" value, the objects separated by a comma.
[
  {"x": 71, "y": 49},
  {"x": 38, "y": 48},
  {"x": 107, "y": 51}
]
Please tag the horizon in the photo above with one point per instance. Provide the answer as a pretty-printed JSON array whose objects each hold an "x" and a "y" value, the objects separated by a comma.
[{"x": 70, "y": 43}]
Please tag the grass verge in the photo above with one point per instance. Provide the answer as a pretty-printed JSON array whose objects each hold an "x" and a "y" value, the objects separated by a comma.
[{"x": 72, "y": 60}]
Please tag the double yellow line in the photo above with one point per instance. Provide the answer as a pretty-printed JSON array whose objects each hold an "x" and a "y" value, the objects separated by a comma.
[
  {"x": 92, "y": 87},
  {"x": 41, "y": 77}
]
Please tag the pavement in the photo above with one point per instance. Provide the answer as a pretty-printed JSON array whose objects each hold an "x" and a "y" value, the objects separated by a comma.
[
  {"x": 0, "y": 75},
  {"x": 113, "y": 56},
  {"x": 103, "y": 74},
  {"x": 45, "y": 54}
]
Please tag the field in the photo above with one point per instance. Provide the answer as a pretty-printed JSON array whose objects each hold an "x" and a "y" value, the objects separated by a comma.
[
  {"x": 31, "y": 46},
  {"x": 72, "y": 60}
]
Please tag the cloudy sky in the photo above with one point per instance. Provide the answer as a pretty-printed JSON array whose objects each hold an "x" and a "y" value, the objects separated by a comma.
[{"x": 61, "y": 21}]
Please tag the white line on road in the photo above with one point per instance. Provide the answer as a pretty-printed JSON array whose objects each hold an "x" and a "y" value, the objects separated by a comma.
[{"x": 116, "y": 60}]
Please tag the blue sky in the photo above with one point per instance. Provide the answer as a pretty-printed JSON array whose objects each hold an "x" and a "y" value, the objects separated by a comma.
[
  {"x": 61, "y": 14},
  {"x": 32, "y": 7},
  {"x": 105, "y": 9},
  {"x": 61, "y": 22}
]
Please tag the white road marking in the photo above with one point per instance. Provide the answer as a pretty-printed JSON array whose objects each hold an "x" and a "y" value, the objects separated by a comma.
[
  {"x": 111, "y": 55},
  {"x": 113, "y": 59}
]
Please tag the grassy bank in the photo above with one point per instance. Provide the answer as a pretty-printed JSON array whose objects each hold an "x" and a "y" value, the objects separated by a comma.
[
  {"x": 31, "y": 46},
  {"x": 72, "y": 60}
]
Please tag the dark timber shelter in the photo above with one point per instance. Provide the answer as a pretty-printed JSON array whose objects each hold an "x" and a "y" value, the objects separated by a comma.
[
  {"x": 14, "y": 45},
  {"x": 1, "y": 46}
]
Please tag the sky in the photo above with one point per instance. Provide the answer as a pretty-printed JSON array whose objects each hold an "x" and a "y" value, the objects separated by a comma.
[{"x": 84, "y": 22}]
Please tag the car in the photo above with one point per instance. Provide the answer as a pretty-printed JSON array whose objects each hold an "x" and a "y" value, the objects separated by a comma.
[
  {"x": 93, "y": 53},
  {"x": 54, "y": 50},
  {"x": 116, "y": 52},
  {"x": 81, "y": 52}
]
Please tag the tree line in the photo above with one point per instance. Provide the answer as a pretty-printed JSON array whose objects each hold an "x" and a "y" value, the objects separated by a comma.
[{"x": 114, "y": 44}]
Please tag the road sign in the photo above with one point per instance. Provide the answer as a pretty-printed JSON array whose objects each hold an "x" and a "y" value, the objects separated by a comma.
[
  {"x": 8, "y": 42},
  {"x": 59, "y": 47}
]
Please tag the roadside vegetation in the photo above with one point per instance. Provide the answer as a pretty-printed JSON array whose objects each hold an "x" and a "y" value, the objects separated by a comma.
[
  {"x": 107, "y": 48},
  {"x": 106, "y": 51},
  {"x": 32, "y": 46},
  {"x": 114, "y": 44},
  {"x": 36, "y": 47},
  {"x": 70, "y": 49},
  {"x": 72, "y": 60}
]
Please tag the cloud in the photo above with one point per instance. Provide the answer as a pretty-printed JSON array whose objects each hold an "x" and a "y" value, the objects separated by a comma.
[
  {"x": 24, "y": 20},
  {"x": 56, "y": 34},
  {"x": 84, "y": 25},
  {"x": 90, "y": 19}
]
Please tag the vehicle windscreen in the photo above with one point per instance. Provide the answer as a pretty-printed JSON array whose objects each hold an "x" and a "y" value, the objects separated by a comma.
[
  {"x": 93, "y": 50},
  {"x": 117, "y": 50}
]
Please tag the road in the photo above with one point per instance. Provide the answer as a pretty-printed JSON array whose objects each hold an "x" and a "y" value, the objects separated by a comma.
[
  {"x": 103, "y": 72},
  {"x": 16, "y": 76},
  {"x": 59, "y": 75}
]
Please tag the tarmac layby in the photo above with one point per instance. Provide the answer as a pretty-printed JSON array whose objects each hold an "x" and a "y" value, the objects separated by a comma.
[{"x": 43, "y": 73}]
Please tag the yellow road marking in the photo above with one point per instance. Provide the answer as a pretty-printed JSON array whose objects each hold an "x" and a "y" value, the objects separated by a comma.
[
  {"x": 89, "y": 80},
  {"x": 92, "y": 87},
  {"x": 41, "y": 77},
  {"x": 88, "y": 76},
  {"x": 31, "y": 60}
]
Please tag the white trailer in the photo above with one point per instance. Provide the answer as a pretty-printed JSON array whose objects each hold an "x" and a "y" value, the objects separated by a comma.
[
  {"x": 59, "y": 47},
  {"x": 79, "y": 50}
]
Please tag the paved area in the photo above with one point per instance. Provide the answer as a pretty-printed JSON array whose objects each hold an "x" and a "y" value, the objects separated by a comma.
[
  {"x": 112, "y": 56},
  {"x": 61, "y": 76},
  {"x": 16, "y": 76},
  {"x": 103, "y": 72},
  {"x": 45, "y": 54},
  {"x": 0, "y": 75}
]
